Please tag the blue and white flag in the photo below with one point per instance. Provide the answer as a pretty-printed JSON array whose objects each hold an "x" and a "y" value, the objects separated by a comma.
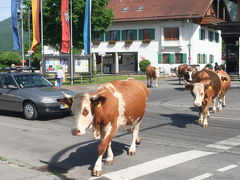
[
  {"x": 86, "y": 27},
  {"x": 14, "y": 8}
]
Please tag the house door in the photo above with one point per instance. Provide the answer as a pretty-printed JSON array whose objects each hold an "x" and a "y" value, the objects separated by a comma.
[{"x": 128, "y": 62}]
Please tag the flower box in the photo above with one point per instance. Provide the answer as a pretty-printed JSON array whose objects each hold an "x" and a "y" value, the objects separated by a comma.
[
  {"x": 146, "y": 40},
  {"x": 112, "y": 42},
  {"x": 128, "y": 41}
]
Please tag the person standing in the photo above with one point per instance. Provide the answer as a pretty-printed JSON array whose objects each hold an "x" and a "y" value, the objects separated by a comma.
[{"x": 60, "y": 77}]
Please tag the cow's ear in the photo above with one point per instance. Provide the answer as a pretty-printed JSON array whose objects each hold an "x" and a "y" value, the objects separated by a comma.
[
  {"x": 188, "y": 86},
  {"x": 96, "y": 95},
  {"x": 223, "y": 78},
  {"x": 209, "y": 85}
]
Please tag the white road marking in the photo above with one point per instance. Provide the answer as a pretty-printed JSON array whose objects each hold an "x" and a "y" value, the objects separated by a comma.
[
  {"x": 155, "y": 165},
  {"x": 227, "y": 168},
  {"x": 203, "y": 176},
  {"x": 226, "y": 144}
]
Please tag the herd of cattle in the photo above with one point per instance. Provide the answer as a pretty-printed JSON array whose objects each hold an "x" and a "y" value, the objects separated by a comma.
[{"x": 113, "y": 106}]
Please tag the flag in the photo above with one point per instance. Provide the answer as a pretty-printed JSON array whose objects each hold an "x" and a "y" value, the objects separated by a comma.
[
  {"x": 35, "y": 24},
  {"x": 65, "y": 26},
  {"x": 86, "y": 27},
  {"x": 15, "y": 5}
]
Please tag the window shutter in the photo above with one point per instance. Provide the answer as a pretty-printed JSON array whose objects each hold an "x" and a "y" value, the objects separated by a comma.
[
  {"x": 140, "y": 34},
  {"x": 171, "y": 58},
  {"x": 159, "y": 58},
  {"x": 107, "y": 36},
  {"x": 184, "y": 58},
  {"x": 102, "y": 37},
  {"x": 123, "y": 35},
  {"x": 118, "y": 35},
  {"x": 206, "y": 59},
  {"x": 200, "y": 34},
  {"x": 201, "y": 59},
  {"x": 152, "y": 34},
  {"x": 134, "y": 34}
]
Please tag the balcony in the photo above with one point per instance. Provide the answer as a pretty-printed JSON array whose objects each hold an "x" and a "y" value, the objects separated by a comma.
[
  {"x": 211, "y": 21},
  {"x": 230, "y": 29}
]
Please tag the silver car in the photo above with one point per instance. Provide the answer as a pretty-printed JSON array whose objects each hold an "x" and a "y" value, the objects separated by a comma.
[{"x": 30, "y": 93}]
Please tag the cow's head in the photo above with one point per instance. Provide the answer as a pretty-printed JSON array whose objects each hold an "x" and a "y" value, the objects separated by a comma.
[
  {"x": 82, "y": 110},
  {"x": 189, "y": 72},
  {"x": 198, "y": 91}
]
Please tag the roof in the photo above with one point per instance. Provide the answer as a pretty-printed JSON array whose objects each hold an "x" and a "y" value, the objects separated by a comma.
[{"x": 158, "y": 9}]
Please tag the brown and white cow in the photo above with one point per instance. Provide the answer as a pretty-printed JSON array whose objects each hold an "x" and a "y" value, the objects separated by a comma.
[
  {"x": 186, "y": 72},
  {"x": 205, "y": 87},
  {"x": 225, "y": 85},
  {"x": 152, "y": 73},
  {"x": 117, "y": 105}
]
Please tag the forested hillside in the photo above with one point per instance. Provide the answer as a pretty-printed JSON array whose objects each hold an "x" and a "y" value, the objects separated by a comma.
[{"x": 6, "y": 42}]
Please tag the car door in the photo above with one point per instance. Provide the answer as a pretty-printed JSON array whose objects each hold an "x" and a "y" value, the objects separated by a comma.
[{"x": 9, "y": 94}]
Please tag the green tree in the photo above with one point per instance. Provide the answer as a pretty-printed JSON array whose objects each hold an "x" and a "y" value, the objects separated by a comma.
[
  {"x": 8, "y": 58},
  {"x": 100, "y": 20},
  {"x": 144, "y": 64}
]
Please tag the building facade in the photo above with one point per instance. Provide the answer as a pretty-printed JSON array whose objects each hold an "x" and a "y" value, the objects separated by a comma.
[{"x": 165, "y": 32}]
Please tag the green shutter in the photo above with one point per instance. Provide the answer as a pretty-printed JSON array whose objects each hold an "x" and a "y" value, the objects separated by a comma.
[
  {"x": 200, "y": 34},
  {"x": 171, "y": 58},
  {"x": 152, "y": 34},
  {"x": 140, "y": 34},
  {"x": 123, "y": 35},
  {"x": 206, "y": 59},
  {"x": 159, "y": 58},
  {"x": 201, "y": 59},
  {"x": 184, "y": 58},
  {"x": 118, "y": 35},
  {"x": 102, "y": 37},
  {"x": 107, "y": 36},
  {"x": 134, "y": 34}
]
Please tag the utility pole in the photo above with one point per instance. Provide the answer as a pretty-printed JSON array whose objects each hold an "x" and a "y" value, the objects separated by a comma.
[{"x": 21, "y": 19}]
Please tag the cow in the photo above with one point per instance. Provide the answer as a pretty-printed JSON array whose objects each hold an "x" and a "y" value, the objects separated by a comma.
[
  {"x": 205, "y": 87},
  {"x": 225, "y": 85},
  {"x": 186, "y": 72},
  {"x": 152, "y": 73},
  {"x": 114, "y": 106}
]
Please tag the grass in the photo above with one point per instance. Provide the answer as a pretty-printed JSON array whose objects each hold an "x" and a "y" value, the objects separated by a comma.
[{"x": 100, "y": 79}]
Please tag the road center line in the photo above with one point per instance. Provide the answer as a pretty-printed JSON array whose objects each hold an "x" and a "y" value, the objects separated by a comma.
[
  {"x": 227, "y": 168},
  {"x": 203, "y": 176},
  {"x": 155, "y": 165}
]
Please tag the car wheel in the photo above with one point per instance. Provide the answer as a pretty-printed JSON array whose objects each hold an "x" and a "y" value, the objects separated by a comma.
[{"x": 30, "y": 111}]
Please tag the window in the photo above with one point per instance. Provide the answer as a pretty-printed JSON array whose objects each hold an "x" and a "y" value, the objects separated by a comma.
[
  {"x": 113, "y": 35},
  {"x": 171, "y": 33},
  {"x": 199, "y": 58},
  {"x": 211, "y": 58},
  {"x": 204, "y": 59},
  {"x": 178, "y": 58},
  {"x": 210, "y": 36},
  {"x": 217, "y": 37},
  {"x": 202, "y": 34},
  {"x": 129, "y": 34},
  {"x": 166, "y": 58},
  {"x": 7, "y": 82}
]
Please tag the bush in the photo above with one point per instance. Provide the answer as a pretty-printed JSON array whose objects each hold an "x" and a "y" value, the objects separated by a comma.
[
  {"x": 209, "y": 66},
  {"x": 8, "y": 58},
  {"x": 144, "y": 64}
]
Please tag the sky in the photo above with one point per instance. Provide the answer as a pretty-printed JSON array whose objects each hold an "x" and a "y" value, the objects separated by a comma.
[{"x": 5, "y": 9}]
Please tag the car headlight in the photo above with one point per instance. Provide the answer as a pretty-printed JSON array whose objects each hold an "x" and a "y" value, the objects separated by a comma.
[{"x": 48, "y": 100}]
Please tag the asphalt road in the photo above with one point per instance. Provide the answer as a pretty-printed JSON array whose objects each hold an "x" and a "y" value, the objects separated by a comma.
[{"x": 173, "y": 145}]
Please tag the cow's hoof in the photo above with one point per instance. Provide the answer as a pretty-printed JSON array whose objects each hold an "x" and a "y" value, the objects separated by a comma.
[
  {"x": 130, "y": 130},
  {"x": 131, "y": 153},
  {"x": 109, "y": 162},
  {"x": 96, "y": 173},
  {"x": 138, "y": 141},
  {"x": 205, "y": 125}
]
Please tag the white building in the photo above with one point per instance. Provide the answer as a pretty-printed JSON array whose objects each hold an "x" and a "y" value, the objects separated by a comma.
[{"x": 167, "y": 33}]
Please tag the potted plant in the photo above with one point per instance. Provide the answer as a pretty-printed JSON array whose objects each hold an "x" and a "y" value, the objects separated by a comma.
[
  {"x": 129, "y": 41},
  {"x": 112, "y": 42},
  {"x": 146, "y": 40},
  {"x": 144, "y": 64}
]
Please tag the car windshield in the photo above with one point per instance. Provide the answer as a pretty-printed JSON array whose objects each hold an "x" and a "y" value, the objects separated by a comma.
[{"x": 31, "y": 80}]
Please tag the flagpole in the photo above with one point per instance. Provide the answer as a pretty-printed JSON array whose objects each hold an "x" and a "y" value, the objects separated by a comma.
[
  {"x": 21, "y": 17},
  {"x": 71, "y": 45},
  {"x": 42, "y": 47},
  {"x": 90, "y": 38}
]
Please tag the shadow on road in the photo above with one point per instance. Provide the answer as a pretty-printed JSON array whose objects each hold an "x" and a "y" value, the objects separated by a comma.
[
  {"x": 181, "y": 120},
  {"x": 84, "y": 155}
]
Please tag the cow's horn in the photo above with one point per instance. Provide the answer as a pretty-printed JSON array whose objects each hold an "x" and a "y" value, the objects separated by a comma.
[
  {"x": 66, "y": 95},
  {"x": 96, "y": 95},
  {"x": 186, "y": 82}
]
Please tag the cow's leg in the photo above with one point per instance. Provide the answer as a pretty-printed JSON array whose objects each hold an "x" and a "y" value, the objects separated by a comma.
[
  {"x": 151, "y": 82},
  {"x": 135, "y": 139},
  {"x": 148, "y": 81},
  {"x": 214, "y": 104},
  {"x": 179, "y": 80},
  {"x": 224, "y": 101},
  {"x": 205, "y": 115},
  {"x": 110, "y": 132},
  {"x": 110, "y": 155},
  {"x": 220, "y": 104},
  {"x": 156, "y": 81}
]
